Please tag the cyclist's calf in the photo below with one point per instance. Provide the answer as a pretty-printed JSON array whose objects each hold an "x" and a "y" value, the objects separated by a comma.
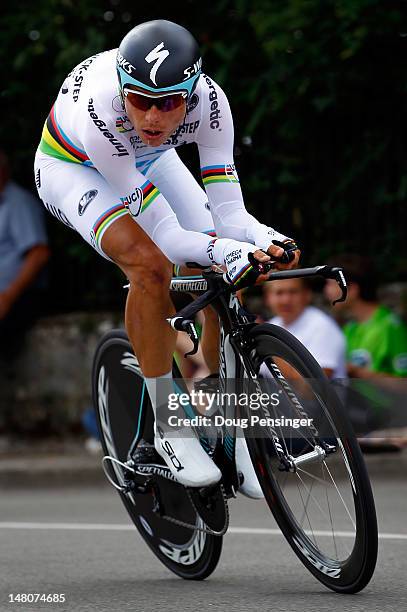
[{"x": 148, "y": 302}]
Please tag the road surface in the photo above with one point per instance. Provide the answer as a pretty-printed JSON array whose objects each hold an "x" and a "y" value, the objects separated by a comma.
[{"x": 78, "y": 541}]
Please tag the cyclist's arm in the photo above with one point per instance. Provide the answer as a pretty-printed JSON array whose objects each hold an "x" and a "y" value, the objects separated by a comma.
[
  {"x": 215, "y": 144},
  {"x": 112, "y": 156}
]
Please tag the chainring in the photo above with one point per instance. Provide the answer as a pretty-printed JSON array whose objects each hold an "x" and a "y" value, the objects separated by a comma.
[{"x": 211, "y": 505}]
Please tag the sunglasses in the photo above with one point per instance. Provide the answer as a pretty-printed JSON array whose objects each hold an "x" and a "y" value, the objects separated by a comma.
[{"x": 162, "y": 103}]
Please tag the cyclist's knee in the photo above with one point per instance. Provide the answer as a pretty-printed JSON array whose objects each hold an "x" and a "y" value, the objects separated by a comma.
[
  {"x": 148, "y": 268},
  {"x": 137, "y": 255},
  {"x": 145, "y": 266}
]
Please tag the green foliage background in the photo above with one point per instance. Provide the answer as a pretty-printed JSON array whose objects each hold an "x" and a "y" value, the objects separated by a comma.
[{"x": 318, "y": 89}]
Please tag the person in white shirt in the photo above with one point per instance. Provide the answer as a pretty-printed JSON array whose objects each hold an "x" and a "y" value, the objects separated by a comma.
[{"x": 290, "y": 301}]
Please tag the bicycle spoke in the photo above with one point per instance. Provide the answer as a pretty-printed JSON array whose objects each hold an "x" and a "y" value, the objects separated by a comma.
[
  {"x": 306, "y": 505},
  {"x": 288, "y": 445},
  {"x": 340, "y": 495},
  {"x": 330, "y": 515},
  {"x": 315, "y": 501},
  {"x": 306, "y": 513},
  {"x": 322, "y": 482}
]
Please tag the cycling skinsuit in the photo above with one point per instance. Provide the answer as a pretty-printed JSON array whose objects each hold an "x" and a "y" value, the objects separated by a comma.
[{"x": 91, "y": 161}]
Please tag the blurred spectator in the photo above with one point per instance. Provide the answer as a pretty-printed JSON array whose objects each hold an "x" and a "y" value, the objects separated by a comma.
[
  {"x": 376, "y": 347},
  {"x": 376, "y": 338},
  {"x": 23, "y": 255},
  {"x": 290, "y": 301}
]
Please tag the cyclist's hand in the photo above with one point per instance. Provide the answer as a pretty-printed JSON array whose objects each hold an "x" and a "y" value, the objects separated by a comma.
[
  {"x": 240, "y": 265},
  {"x": 277, "y": 252},
  {"x": 238, "y": 268}
]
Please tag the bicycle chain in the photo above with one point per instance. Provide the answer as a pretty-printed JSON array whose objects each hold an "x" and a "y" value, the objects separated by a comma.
[{"x": 205, "y": 529}]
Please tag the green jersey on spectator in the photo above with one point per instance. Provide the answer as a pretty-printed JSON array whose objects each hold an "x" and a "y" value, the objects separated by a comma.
[{"x": 379, "y": 344}]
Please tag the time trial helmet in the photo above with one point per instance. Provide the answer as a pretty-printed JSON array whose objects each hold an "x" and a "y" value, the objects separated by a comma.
[{"x": 158, "y": 58}]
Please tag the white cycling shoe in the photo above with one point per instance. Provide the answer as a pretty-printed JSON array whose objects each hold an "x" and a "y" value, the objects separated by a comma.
[
  {"x": 250, "y": 486},
  {"x": 185, "y": 457}
]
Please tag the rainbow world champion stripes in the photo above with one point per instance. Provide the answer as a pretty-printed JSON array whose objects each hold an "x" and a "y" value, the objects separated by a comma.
[
  {"x": 150, "y": 192},
  {"x": 242, "y": 274},
  {"x": 219, "y": 174},
  {"x": 55, "y": 142},
  {"x": 107, "y": 219}
]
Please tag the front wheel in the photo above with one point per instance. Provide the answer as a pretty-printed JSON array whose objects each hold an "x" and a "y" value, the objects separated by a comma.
[
  {"x": 313, "y": 476},
  {"x": 123, "y": 410}
]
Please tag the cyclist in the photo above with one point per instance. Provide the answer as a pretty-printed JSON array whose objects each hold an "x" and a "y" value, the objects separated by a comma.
[{"x": 108, "y": 149}]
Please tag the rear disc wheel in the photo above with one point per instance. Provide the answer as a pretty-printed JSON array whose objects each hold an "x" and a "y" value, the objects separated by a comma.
[{"x": 123, "y": 410}]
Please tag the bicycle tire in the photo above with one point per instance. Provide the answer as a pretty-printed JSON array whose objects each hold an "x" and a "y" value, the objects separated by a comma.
[
  {"x": 352, "y": 574},
  {"x": 192, "y": 555}
]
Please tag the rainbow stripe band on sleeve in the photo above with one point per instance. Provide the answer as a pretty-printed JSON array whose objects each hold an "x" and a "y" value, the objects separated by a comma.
[
  {"x": 150, "y": 192},
  {"x": 107, "y": 219},
  {"x": 219, "y": 174},
  {"x": 56, "y": 143},
  {"x": 243, "y": 272}
]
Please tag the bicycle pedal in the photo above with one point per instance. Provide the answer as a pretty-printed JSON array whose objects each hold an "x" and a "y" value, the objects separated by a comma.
[{"x": 146, "y": 453}]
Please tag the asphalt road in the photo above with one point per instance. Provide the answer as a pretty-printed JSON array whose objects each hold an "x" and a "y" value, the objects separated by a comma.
[{"x": 50, "y": 543}]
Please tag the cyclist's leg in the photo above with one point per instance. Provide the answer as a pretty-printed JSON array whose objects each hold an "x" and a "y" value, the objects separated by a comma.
[
  {"x": 190, "y": 203},
  {"x": 148, "y": 302},
  {"x": 81, "y": 198}
]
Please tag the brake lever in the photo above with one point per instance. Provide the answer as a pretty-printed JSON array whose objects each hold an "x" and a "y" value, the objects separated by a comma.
[
  {"x": 185, "y": 325},
  {"x": 336, "y": 274},
  {"x": 339, "y": 276}
]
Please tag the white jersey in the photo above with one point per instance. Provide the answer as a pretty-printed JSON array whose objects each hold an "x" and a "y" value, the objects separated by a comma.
[
  {"x": 322, "y": 336},
  {"x": 89, "y": 128}
]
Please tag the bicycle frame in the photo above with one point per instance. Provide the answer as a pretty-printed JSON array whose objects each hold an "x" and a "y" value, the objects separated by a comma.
[{"x": 234, "y": 324}]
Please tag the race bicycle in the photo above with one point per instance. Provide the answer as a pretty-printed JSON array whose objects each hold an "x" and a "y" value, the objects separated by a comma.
[{"x": 313, "y": 477}]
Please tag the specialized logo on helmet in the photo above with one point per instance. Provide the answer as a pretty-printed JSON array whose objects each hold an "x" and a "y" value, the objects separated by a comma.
[
  {"x": 191, "y": 70},
  {"x": 157, "y": 55},
  {"x": 123, "y": 63},
  {"x": 85, "y": 200}
]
